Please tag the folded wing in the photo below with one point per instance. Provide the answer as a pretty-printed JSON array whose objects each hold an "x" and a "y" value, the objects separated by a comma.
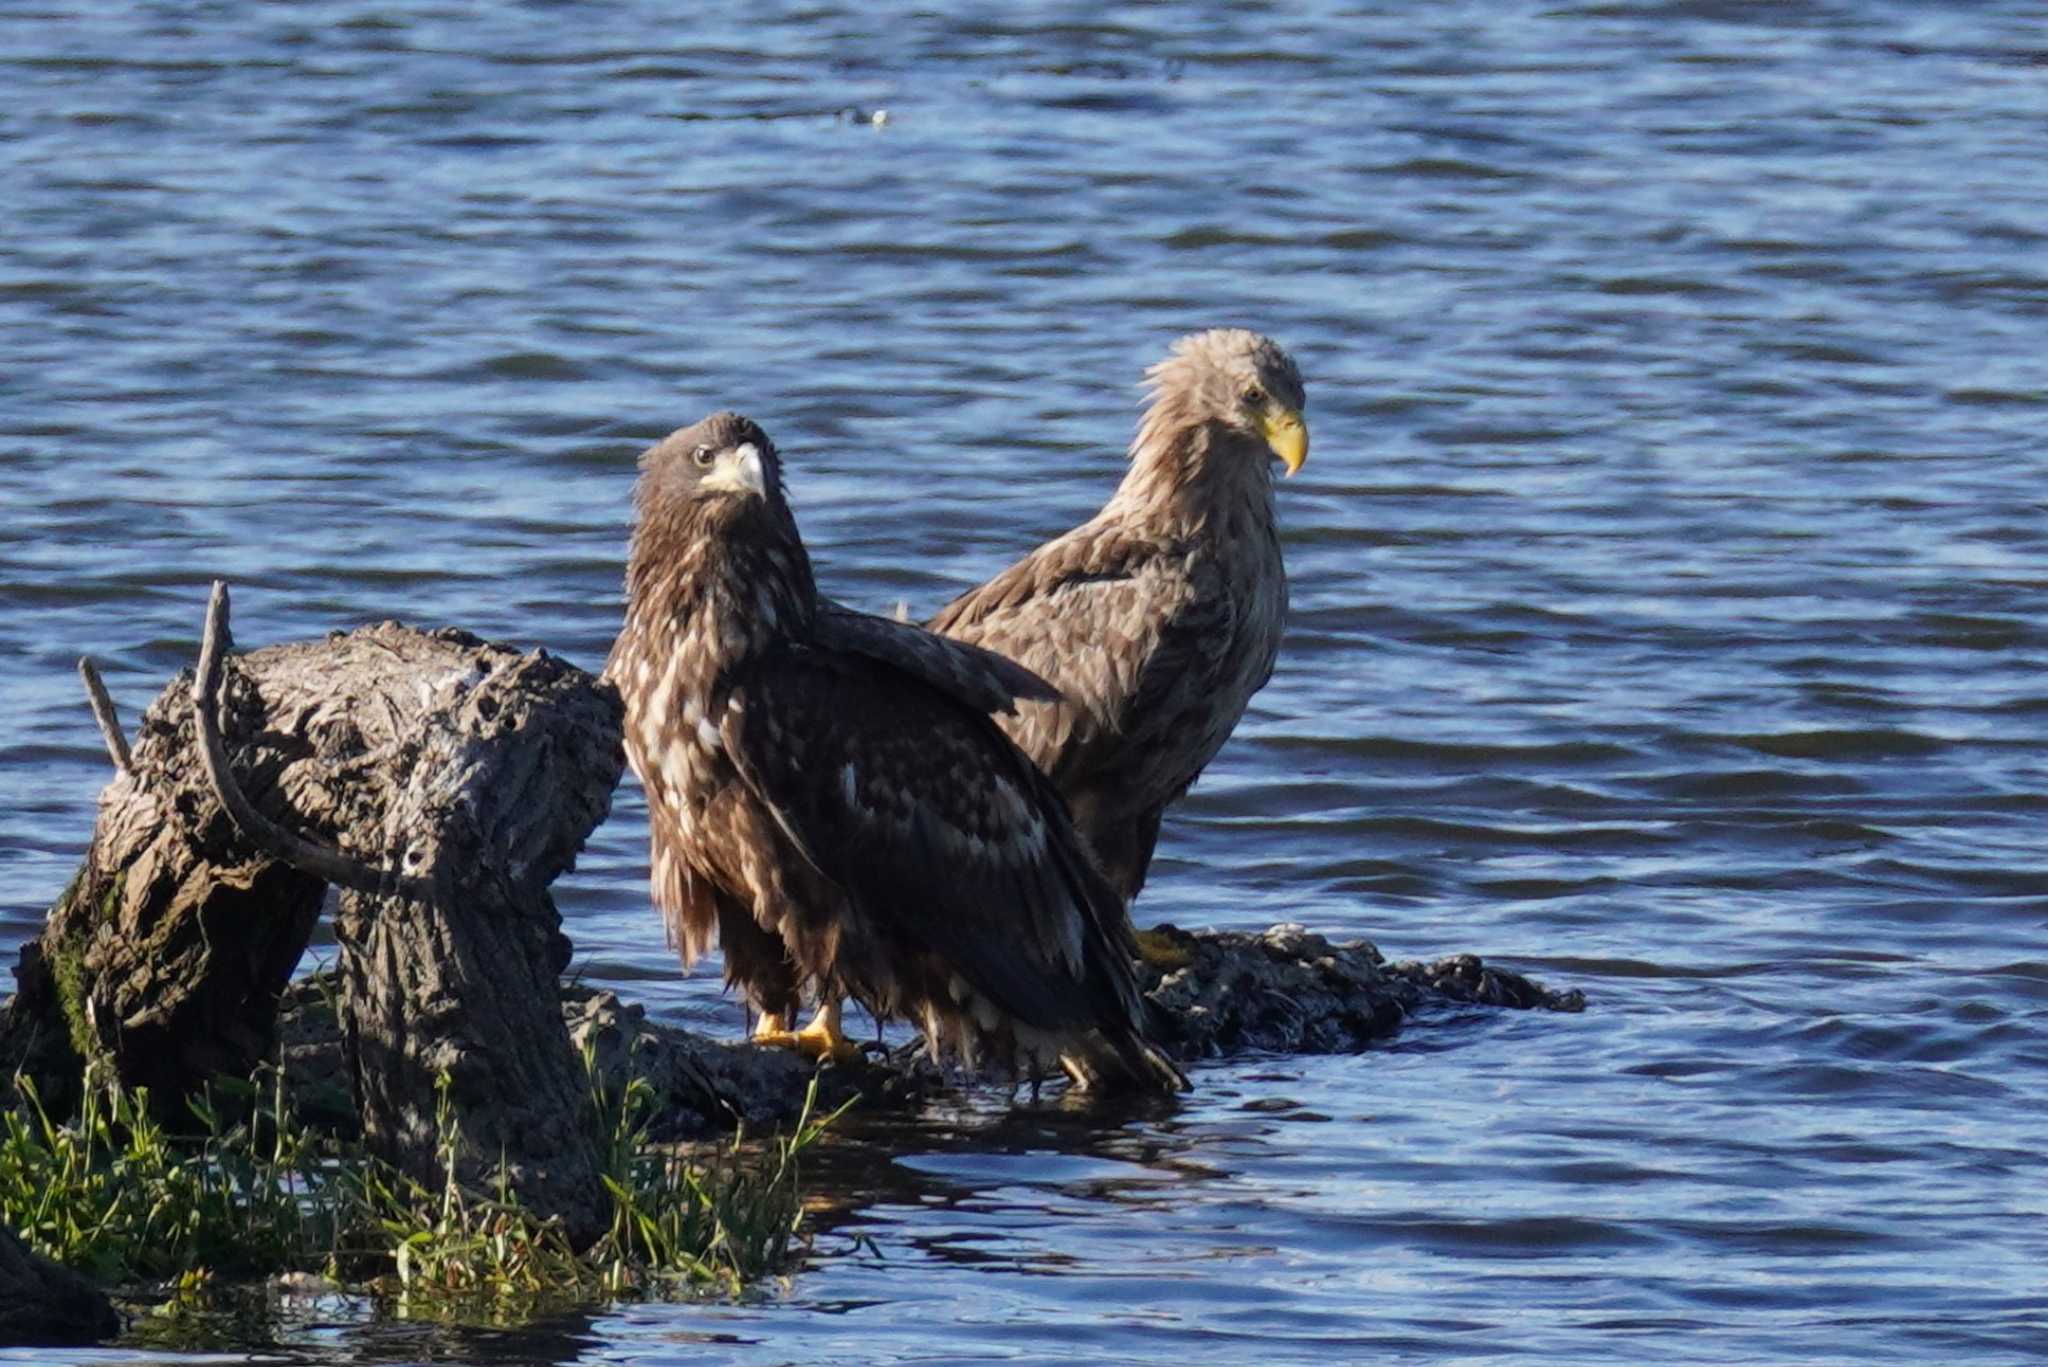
[{"x": 968, "y": 895}]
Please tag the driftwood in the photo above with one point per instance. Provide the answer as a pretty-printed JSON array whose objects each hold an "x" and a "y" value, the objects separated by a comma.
[
  {"x": 169, "y": 947},
  {"x": 441, "y": 784}
]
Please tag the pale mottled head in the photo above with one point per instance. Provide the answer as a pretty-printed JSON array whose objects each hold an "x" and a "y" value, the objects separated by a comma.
[{"x": 1238, "y": 379}]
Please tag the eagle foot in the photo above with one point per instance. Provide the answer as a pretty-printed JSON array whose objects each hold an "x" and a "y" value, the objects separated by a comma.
[{"x": 821, "y": 1039}]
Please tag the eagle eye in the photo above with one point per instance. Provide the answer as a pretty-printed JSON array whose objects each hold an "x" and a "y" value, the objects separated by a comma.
[
  {"x": 1254, "y": 394},
  {"x": 702, "y": 455}
]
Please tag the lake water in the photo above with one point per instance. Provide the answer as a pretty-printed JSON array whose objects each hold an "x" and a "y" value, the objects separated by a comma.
[{"x": 1670, "y": 584}]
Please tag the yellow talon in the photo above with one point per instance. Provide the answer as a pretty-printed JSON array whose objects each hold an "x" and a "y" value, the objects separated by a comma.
[{"x": 821, "y": 1039}]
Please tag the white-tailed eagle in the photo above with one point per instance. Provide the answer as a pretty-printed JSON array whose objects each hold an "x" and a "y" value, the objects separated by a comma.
[
  {"x": 1158, "y": 618},
  {"x": 831, "y": 802}
]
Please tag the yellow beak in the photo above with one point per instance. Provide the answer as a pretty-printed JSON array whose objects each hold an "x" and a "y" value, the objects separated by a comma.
[{"x": 1287, "y": 434}]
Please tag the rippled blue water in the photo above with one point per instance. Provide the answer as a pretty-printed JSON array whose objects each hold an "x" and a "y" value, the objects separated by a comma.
[{"x": 1670, "y": 582}]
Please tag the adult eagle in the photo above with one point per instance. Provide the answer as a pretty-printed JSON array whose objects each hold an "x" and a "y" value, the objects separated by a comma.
[
  {"x": 830, "y": 801},
  {"x": 1158, "y": 618}
]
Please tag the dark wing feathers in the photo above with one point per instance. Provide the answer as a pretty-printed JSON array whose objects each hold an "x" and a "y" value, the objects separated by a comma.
[
  {"x": 936, "y": 830},
  {"x": 979, "y": 677}
]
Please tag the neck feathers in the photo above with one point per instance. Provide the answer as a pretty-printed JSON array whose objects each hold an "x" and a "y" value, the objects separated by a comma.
[
  {"x": 1188, "y": 470},
  {"x": 723, "y": 584}
]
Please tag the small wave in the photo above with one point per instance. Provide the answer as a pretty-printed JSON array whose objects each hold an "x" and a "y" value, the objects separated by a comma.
[
  {"x": 1363, "y": 239},
  {"x": 1455, "y": 755},
  {"x": 1661, "y": 284},
  {"x": 1918, "y": 1087},
  {"x": 1569, "y": 966},
  {"x": 1539, "y": 889},
  {"x": 1447, "y": 168},
  {"x": 534, "y": 365},
  {"x": 1838, "y": 744},
  {"x": 1974, "y": 631},
  {"x": 1609, "y": 837},
  {"x": 1213, "y": 236},
  {"x": 1529, "y": 1234}
]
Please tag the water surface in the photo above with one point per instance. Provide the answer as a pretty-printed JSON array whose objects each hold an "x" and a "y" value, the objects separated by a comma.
[{"x": 1669, "y": 584}]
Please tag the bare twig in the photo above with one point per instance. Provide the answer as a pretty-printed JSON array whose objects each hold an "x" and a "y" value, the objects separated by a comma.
[
  {"x": 319, "y": 861},
  {"x": 103, "y": 713}
]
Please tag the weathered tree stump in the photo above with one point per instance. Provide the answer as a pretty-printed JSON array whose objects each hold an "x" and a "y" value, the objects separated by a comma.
[
  {"x": 442, "y": 784},
  {"x": 43, "y": 1304},
  {"x": 167, "y": 951}
]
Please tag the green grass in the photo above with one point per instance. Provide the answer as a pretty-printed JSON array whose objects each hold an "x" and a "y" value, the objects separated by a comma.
[
  {"x": 253, "y": 1194},
  {"x": 111, "y": 1194}
]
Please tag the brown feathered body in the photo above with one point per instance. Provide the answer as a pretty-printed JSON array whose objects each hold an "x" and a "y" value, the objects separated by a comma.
[
  {"x": 1160, "y": 617},
  {"x": 830, "y": 801}
]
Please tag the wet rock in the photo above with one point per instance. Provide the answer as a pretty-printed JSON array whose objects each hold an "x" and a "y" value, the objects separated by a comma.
[
  {"x": 1463, "y": 978},
  {"x": 1218, "y": 994},
  {"x": 1284, "y": 990},
  {"x": 1289, "y": 990}
]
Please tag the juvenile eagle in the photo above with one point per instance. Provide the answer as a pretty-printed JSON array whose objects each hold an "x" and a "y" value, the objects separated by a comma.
[
  {"x": 1160, "y": 617},
  {"x": 830, "y": 801}
]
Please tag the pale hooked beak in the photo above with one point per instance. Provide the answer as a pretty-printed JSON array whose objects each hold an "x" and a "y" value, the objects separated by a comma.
[
  {"x": 739, "y": 471},
  {"x": 1287, "y": 435}
]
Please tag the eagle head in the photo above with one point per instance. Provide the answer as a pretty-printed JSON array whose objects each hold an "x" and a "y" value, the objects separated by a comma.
[
  {"x": 715, "y": 465},
  {"x": 715, "y": 532},
  {"x": 1241, "y": 381}
]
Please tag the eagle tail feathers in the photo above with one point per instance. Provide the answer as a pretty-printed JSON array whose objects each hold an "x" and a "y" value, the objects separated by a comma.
[{"x": 1121, "y": 1062}]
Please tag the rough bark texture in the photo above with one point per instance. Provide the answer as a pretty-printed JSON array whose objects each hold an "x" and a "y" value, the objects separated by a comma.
[
  {"x": 168, "y": 950},
  {"x": 471, "y": 772},
  {"x": 1220, "y": 994},
  {"x": 42, "y": 1304},
  {"x": 495, "y": 768}
]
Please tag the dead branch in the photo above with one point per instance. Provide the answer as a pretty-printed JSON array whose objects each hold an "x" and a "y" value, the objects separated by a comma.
[
  {"x": 103, "y": 713},
  {"x": 318, "y": 861}
]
